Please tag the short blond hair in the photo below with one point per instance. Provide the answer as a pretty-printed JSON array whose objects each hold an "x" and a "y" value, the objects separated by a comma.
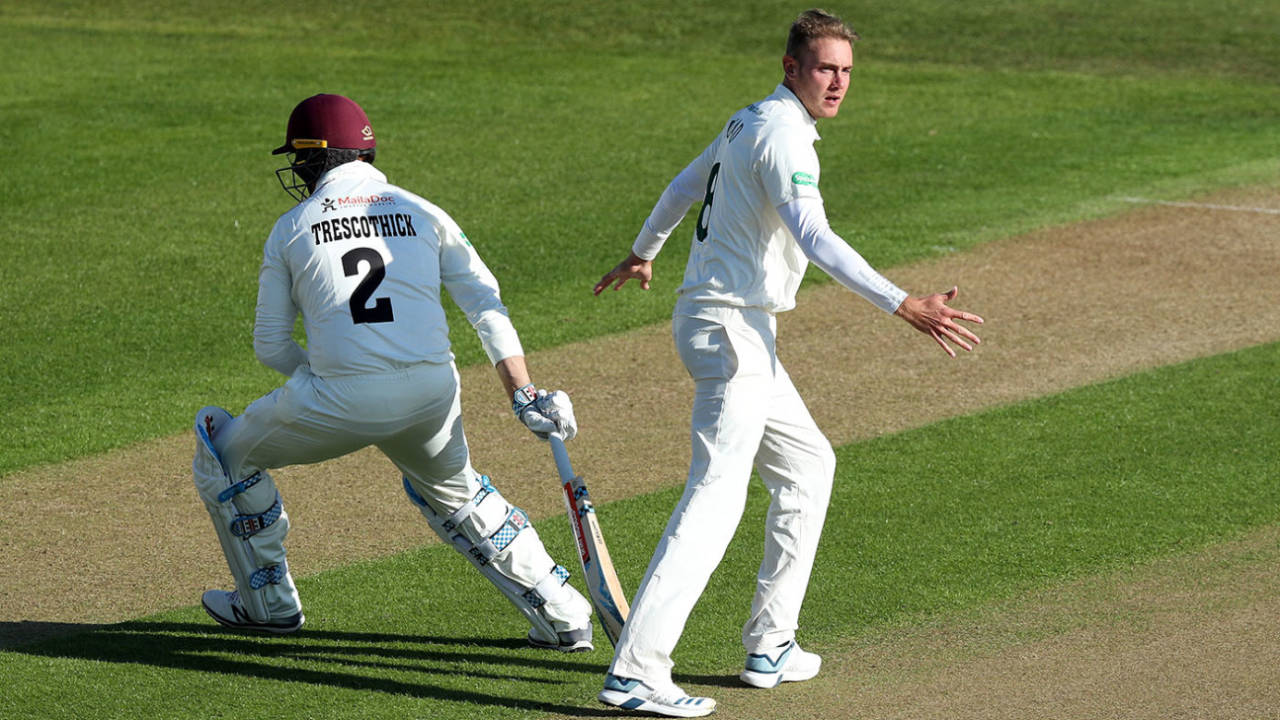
[{"x": 813, "y": 25}]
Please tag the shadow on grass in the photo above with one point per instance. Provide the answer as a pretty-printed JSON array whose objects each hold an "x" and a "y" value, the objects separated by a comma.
[
  {"x": 210, "y": 648},
  {"x": 727, "y": 680}
]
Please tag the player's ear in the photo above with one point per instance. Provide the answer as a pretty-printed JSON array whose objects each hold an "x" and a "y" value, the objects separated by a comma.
[{"x": 790, "y": 66}]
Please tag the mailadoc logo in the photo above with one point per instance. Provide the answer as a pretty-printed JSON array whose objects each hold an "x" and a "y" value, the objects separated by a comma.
[
  {"x": 803, "y": 178},
  {"x": 358, "y": 201}
]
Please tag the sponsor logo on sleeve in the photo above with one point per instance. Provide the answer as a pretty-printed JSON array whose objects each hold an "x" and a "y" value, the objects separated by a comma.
[{"x": 804, "y": 178}]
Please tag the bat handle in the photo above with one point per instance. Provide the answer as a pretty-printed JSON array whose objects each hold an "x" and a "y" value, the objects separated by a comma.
[{"x": 562, "y": 458}]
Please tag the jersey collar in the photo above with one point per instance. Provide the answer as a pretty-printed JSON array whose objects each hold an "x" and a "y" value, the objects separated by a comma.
[
  {"x": 357, "y": 170},
  {"x": 783, "y": 94}
]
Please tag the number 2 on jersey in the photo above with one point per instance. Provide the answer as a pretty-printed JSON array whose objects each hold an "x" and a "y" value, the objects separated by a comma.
[
  {"x": 704, "y": 221},
  {"x": 381, "y": 310}
]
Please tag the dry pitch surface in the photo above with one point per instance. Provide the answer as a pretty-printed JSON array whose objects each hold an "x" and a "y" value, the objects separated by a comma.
[{"x": 1195, "y": 636}]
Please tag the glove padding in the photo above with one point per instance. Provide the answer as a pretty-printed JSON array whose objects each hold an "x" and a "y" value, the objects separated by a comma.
[{"x": 545, "y": 413}]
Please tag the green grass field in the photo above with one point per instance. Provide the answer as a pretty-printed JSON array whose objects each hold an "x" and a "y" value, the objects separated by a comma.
[
  {"x": 142, "y": 187},
  {"x": 139, "y": 190},
  {"x": 1093, "y": 480}
]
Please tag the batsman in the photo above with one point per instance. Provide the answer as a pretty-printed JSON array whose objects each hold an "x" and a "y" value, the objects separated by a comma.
[
  {"x": 364, "y": 262},
  {"x": 762, "y": 222}
]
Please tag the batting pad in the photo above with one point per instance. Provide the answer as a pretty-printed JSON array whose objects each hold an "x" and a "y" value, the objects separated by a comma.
[
  {"x": 497, "y": 538},
  {"x": 251, "y": 524}
]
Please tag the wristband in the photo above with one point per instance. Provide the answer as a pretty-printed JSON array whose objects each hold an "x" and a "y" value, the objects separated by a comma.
[{"x": 523, "y": 397}]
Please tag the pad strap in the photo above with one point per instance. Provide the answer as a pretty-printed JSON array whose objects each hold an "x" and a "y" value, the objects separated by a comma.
[
  {"x": 240, "y": 487},
  {"x": 270, "y": 575},
  {"x": 455, "y": 519},
  {"x": 464, "y": 512},
  {"x": 248, "y": 525},
  {"x": 516, "y": 521},
  {"x": 547, "y": 586}
]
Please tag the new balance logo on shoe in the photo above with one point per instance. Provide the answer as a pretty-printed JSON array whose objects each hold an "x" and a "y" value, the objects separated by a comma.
[{"x": 226, "y": 608}]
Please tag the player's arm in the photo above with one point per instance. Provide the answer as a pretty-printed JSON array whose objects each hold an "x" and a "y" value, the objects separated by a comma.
[
  {"x": 273, "y": 342},
  {"x": 807, "y": 220},
  {"x": 681, "y": 193},
  {"x": 475, "y": 290},
  {"x": 512, "y": 373}
]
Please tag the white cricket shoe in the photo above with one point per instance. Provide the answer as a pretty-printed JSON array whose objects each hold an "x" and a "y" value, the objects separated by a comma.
[
  {"x": 632, "y": 694},
  {"x": 788, "y": 663},
  {"x": 226, "y": 608}
]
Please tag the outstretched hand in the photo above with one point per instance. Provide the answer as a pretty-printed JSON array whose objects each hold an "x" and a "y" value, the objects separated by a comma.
[
  {"x": 930, "y": 315},
  {"x": 633, "y": 268}
]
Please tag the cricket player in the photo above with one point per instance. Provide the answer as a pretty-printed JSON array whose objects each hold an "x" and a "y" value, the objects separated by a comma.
[
  {"x": 364, "y": 262},
  {"x": 762, "y": 221}
]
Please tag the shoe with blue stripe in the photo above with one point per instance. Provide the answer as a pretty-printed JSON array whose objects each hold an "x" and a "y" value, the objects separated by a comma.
[
  {"x": 632, "y": 694},
  {"x": 787, "y": 663}
]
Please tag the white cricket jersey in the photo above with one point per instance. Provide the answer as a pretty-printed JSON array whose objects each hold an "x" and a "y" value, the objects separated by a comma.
[
  {"x": 762, "y": 217},
  {"x": 742, "y": 254},
  {"x": 364, "y": 262}
]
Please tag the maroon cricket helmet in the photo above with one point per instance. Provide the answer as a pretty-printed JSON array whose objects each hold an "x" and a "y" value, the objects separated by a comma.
[{"x": 327, "y": 121}]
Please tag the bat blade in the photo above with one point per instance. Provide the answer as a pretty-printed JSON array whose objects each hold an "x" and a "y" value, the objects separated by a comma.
[{"x": 597, "y": 567}]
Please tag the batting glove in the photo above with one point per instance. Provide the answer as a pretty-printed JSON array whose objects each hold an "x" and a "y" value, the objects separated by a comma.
[{"x": 545, "y": 413}]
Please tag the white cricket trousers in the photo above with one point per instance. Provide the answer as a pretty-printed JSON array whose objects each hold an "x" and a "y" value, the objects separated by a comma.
[
  {"x": 414, "y": 416},
  {"x": 745, "y": 412}
]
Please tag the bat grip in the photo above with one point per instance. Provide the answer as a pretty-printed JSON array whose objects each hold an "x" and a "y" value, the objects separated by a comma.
[{"x": 562, "y": 458}]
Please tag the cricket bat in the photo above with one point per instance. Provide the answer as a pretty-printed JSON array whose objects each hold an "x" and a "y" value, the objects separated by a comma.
[{"x": 602, "y": 581}]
